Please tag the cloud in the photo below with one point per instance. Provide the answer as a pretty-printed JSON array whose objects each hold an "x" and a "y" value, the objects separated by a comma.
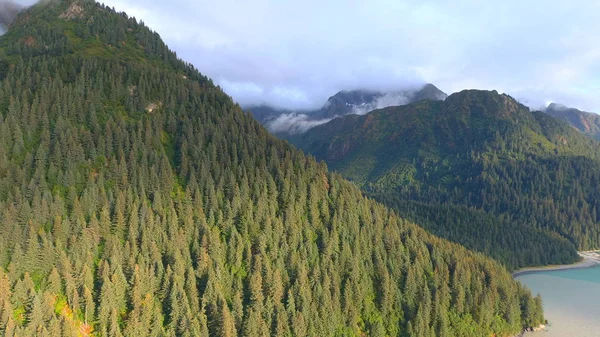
[
  {"x": 388, "y": 99},
  {"x": 296, "y": 54},
  {"x": 294, "y": 123},
  {"x": 8, "y": 11}
]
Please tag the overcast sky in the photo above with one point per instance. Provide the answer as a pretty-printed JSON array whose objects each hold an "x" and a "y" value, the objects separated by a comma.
[{"x": 296, "y": 53}]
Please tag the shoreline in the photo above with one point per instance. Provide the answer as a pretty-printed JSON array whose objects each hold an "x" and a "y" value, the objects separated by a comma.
[{"x": 589, "y": 259}]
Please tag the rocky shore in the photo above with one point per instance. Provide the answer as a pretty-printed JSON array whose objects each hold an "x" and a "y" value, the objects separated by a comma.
[{"x": 525, "y": 332}]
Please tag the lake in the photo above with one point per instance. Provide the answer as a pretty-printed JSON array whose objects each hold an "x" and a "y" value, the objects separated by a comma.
[{"x": 571, "y": 301}]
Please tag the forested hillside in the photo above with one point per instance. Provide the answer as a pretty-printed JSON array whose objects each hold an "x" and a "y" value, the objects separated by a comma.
[
  {"x": 136, "y": 199},
  {"x": 479, "y": 169}
]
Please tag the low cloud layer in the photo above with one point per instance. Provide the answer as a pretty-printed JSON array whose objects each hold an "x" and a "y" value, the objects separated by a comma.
[
  {"x": 294, "y": 123},
  {"x": 9, "y": 9},
  {"x": 389, "y": 99}
]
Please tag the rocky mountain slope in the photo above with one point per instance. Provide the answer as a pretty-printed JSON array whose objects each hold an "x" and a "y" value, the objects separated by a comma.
[{"x": 586, "y": 122}]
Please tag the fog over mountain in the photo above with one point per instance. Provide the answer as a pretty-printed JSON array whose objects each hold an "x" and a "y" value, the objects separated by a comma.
[
  {"x": 346, "y": 102},
  {"x": 8, "y": 11}
]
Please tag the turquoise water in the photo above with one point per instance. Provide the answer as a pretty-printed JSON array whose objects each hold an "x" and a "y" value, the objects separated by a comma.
[{"x": 571, "y": 301}]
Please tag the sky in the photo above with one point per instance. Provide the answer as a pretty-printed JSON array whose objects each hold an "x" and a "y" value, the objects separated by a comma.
[{"x": 296, "y": 53}]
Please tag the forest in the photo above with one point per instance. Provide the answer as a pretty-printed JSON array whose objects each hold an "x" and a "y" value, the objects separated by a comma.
[
  {"x": 137, "y": 199},
  {"x": 479, "y": 169}
]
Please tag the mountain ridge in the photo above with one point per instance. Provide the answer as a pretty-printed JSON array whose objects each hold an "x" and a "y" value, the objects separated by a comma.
[{"x": 360, "y": 101}]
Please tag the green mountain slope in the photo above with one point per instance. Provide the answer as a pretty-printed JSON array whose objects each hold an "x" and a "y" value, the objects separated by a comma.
[
  {"x": 517, "y": 185},
  {"x": 136, "y": 199}
]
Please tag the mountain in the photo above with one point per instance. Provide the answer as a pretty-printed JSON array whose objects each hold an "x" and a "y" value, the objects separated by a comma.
[
  {"x": 285, "y": 121},
  {"x": 354, "y": 101},
  {"x": 478, "y": 168},
  {"x": 586, "y": 122},
  {"x": 137, "y": 199},
  {"x": 363, "y": 101},
  {"x": 430, "y": 92}
]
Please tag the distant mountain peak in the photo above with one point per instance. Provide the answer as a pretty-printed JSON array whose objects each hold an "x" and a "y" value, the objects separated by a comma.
[
  {"x": 557, "y": 106},
  {"x": 366, "y": 96},
  {"x": 354, "y": 97},
  {"x": 344, "y": 102},
  {"x": 491, "y": 101},
  {"x": 362, "y": 101},
  {"x": 431, "y": 92}
]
